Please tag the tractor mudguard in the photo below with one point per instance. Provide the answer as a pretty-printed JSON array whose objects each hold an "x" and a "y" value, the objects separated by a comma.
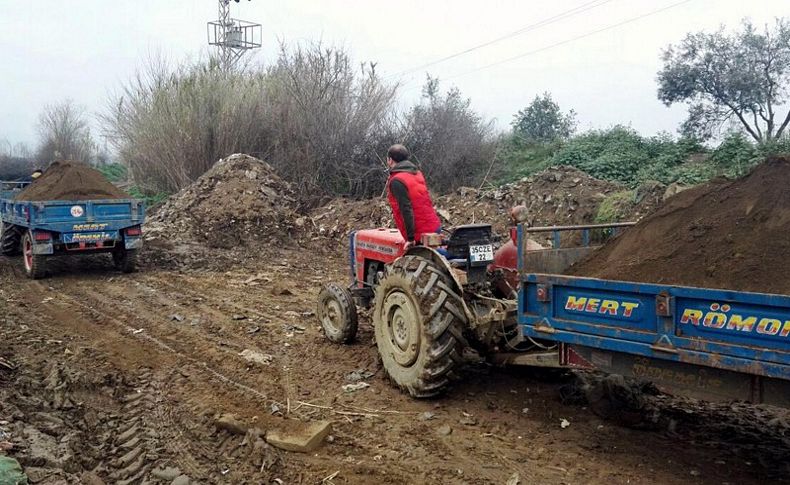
[{"x": 433, "y": 255}]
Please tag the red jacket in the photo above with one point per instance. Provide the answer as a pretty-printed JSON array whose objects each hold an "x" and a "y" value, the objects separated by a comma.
[{"x": 412, "y": 207}]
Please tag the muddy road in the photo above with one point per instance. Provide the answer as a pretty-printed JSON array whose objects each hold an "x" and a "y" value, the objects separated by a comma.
[{"x": 109, "y": 378}]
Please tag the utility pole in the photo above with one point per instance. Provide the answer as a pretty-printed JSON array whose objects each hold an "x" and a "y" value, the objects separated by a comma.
[{"x": 234, "y": 37}]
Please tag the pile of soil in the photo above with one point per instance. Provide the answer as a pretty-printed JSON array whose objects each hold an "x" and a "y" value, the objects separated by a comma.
[
  {"x": 340, "y": 216},
  {"x": 240, "y": 201},
  {"x": 723, "y": 234},
  {"x": 557, "y": 196},
  {"x": 71, "y": 181}
]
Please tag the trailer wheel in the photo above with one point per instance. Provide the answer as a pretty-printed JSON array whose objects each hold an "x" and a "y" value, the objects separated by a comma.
[
  {"x": 337, "y": 313},
  {"x": 35, "y": 264},
  {"x": 10, "y": 239},
  {"x": 419, "y": 323},
  {"x": 125, "y": 260}
]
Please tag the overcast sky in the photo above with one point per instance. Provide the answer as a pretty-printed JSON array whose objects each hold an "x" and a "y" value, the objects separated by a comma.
[{"x": 85, "y": 49}]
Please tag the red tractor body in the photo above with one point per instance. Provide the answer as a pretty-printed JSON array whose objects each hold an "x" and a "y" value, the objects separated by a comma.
[{"x": 371, "y": 249}]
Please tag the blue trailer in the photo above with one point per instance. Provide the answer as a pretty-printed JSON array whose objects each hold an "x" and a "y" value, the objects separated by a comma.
[
  {"x": 39, "y": 230},
  {"x": 707, "y": 343}
]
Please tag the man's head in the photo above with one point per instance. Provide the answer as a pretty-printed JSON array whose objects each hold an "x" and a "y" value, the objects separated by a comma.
[{"x": 397, "y": 153}]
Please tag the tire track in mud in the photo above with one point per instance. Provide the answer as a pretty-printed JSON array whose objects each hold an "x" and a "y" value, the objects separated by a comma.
[
  {"x": 136, "y": 432},
  {"x": 167, "y": 343},
  {"x": 284, "y": 351},
  {"x": 136, "y": 440},
  {"x": 151, "y": 429}
]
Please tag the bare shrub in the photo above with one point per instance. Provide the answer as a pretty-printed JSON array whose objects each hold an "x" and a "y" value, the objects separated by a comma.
[
  {"x": 312, "y": 115},
  {"x": 330, "y": 121},
  {"x": 323, "y": 121},
  {"x": 64, "y": 134},
  {"x": 452, "y": 143},
  {"x": 170, "y": 125}
]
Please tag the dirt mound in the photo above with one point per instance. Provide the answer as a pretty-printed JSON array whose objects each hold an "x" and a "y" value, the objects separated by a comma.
[
  {"x": 71, "y": 181},
  {"x": 240, "y": 201},
  {"x": 556, "y": 196},
  {"x": 339, "y": 217},
  {"x": 724, "y": 234}
]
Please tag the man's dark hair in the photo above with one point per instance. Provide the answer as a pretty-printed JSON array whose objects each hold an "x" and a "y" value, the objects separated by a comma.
[{"x": 398, "y": 152}]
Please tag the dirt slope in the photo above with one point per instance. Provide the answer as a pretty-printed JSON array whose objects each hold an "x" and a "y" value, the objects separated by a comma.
[
  {"x": 724, "y": 234},
  {"x": 71, "y": 181},
  {"x": 239, "y": 201},
  {"x": 556, "y": 196}
]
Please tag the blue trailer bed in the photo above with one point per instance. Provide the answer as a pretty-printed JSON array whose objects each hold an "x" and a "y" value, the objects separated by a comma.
[
  {"x": 40, "y": 229},
  {"x": 711, "y": 343}
]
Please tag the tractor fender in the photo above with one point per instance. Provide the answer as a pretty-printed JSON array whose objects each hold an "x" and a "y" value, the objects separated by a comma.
[{"x": 433, "y": 255}]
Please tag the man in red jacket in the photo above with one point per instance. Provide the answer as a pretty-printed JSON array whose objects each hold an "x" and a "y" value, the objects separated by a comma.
[{"x": 412, "y": 207}]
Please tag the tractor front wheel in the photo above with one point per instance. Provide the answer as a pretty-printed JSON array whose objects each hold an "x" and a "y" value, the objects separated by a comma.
[
  {"x": 419, "y": 322},
  {"x": 35, "y": 264},
  {"x": 337, "y": 313}
]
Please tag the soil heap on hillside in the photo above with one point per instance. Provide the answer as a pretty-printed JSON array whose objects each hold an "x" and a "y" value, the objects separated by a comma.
[
  {"x": 240, "y": 201},
  {"x": 340, "y": 216},
  {"x": 559, "y": 195},
  {"x": 556, "y": 196},
  {"x": 724, "y": 234},
  {"x": 70, "y": 181}
]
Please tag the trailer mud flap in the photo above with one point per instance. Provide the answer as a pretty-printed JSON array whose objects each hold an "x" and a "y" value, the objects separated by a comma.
[
  {"x": 133, "y": 242},
  {"x": 43, "y": 249}
]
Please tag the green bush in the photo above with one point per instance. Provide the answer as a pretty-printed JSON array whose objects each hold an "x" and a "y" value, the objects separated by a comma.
[
  {"x": 615, "y": 154},
  {"x": 615, "y": 207},
  {"x": 693, "y": 174},
  {"x": 618, "y": 154},
  {"x": 735, "y": 155},
  {"x": 150, "y": 199},
  {"x": 780, "y": 147},
  {"x": 521, "y": 158},
  {"x": 114, "y": 172}
]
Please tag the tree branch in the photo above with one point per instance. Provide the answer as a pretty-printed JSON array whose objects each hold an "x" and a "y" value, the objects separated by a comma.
[
  {"x": 784, "y": 125},
  {"x": 757, "y": 123},
  {"x": 744, "y": 122}
]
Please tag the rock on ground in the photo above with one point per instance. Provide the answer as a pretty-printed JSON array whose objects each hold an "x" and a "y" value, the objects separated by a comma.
[{"x": 300, "y": 437}]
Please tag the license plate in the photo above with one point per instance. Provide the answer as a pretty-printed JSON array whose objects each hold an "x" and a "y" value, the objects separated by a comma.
[
  {"x": 88, "y": 237},
  {"x": 481, "y": 253}
]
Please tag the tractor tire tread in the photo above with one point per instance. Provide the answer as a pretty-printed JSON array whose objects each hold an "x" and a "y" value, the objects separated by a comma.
[
  {"x": 347, "y": 332},
  {"x": 10, "y": 240},
  {"x": 443, "y": 322}
]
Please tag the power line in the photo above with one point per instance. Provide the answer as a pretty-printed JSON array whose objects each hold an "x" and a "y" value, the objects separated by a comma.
[
  {"x": 588, "y": 34},
  {"x": 528, "y": 28}
]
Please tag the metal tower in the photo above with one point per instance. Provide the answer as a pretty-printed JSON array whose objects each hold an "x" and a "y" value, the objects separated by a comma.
[{"x": 234, "y": 37}]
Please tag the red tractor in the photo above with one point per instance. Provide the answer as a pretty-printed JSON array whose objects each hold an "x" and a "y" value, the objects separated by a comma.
[{"x": 430, "y": 303}]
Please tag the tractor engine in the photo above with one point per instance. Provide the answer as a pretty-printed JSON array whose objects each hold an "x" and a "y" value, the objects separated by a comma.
[{"x": 469, "y": 249}]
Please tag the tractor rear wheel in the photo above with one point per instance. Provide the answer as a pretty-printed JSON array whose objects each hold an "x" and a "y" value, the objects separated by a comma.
[
  {"x": 419, "y": 324},
  {"x": 125, "y": 260},
  {"x": 337, "y": 313},
  {"x": 10, "y": 239}
]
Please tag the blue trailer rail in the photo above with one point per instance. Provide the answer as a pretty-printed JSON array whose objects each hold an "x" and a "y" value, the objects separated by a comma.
[
  {"x": 708, "y": 342},
  {"x": 39, "y": 229}
]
